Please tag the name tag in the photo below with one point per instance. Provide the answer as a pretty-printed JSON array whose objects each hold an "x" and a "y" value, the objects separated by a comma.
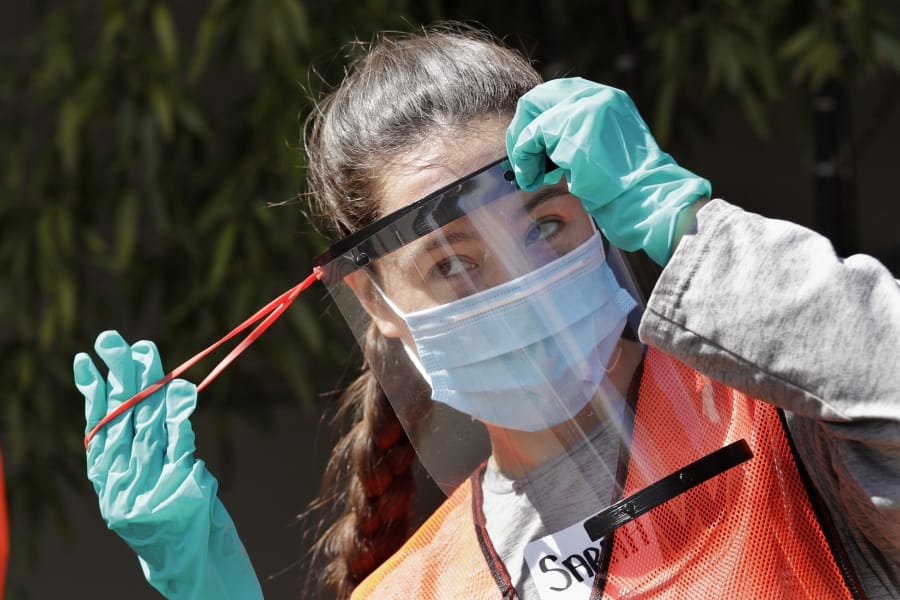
[{"x": 563, "y": 564}]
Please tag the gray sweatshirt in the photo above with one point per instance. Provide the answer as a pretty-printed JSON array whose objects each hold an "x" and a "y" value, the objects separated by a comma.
[{"x": 766, "y": 307}]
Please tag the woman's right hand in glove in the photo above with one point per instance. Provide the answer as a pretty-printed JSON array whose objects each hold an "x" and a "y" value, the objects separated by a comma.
[{"x": 153, "y": 492}]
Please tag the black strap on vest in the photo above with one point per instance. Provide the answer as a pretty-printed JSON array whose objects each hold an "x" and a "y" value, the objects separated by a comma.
[{"x": 630, "y": 508}]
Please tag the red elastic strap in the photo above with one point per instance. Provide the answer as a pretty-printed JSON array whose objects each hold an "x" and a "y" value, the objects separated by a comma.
[{"x": 268, "y": 314}]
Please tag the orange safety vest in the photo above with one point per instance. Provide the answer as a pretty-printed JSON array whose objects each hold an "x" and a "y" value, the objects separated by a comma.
[
  {"x": 4, "y": 531},
  {"x": 754, "y": 531}
]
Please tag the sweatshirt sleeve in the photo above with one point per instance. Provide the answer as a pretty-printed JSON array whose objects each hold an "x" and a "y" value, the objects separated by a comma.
[{"x": 766, "y": 307}]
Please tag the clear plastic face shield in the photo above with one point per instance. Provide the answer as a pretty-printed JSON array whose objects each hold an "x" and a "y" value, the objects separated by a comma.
[{"x": 507, "y": 321}]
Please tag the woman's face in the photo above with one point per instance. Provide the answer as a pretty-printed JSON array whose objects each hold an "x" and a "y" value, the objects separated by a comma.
[
  {"x": 493, "y": 244},
  {"x": 501, "y": 234}
]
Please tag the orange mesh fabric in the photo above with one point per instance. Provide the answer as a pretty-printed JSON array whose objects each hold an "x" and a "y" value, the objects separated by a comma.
[
  {"x": 443, "y": 559},
  {"x": 4, "y": 531},
  {"x": 750, "y": 532}
]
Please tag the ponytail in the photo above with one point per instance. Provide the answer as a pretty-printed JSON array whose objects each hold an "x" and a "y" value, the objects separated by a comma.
[{"x": 369, "y": 478}]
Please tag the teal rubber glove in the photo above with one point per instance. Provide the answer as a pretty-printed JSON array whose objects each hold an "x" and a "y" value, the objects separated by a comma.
[
  {"x": 153, "y": 493},
  {"x": 594, "y": 133}
]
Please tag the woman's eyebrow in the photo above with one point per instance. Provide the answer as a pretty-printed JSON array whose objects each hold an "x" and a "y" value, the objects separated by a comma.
[
  {"x": 452, "y": 237},
  {"x": 543, "y": 195}
]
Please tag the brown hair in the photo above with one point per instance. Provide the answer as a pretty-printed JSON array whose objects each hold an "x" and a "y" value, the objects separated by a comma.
[{"x": 405, "y": 91}]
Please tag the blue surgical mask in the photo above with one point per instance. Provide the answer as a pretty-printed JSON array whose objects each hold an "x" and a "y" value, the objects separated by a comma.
[{"x": 530, "y": 353}]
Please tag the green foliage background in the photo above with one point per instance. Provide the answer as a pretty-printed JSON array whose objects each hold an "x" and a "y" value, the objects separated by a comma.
[{"x": 145, "y": 142}]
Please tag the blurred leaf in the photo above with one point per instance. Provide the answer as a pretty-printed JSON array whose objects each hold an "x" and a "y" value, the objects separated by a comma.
[
  {"x": 220, "y": 206},
  {"x": 113, "y": 27},
  {"x": 162, "y": 109},
  {"x": 222, "y": 254},
  {"x": 64, "y": 230},
  {"x": 764, "y": 70},
  {"x": 755, "y": 113},
  {"x": 126, "y": 232},
  {"x": 96, "y": 244},
  {"x": 71, "y": 118},
  {"x": 25, "y": 366},
  {"x": 308, "y": 326},
  {"x": 206, "y": 36},
  {"x": 46, "y": 330},
  {"x": 723, "y": 60},
  {"x": 297, "y": 21},
  {"x": 16, "y": 447},
  {"x": 67, "y": 300},
  {"x": 166, "y": 37},
  {"x": 46, "y": 236},
  {"x": 799, "y": 43},
  {"x": 192, "y": 118},
  {"x": 815, "y": 55}
]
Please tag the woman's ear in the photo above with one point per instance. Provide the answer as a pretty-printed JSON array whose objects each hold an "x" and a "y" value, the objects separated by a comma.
[{"x": 386, "y": 320}]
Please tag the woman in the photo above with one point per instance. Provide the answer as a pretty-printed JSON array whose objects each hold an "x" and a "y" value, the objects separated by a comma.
[{"x": 613, "y": 471}]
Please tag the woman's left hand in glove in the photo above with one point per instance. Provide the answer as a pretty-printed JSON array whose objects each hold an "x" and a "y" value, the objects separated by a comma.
[{"x": 594, "y": 133}]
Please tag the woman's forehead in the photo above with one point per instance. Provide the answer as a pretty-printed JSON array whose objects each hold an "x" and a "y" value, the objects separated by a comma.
[{"x": 436, "y": 165}]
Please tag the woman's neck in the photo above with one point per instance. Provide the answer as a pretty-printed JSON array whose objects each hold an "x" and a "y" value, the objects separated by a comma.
[{"x": 516, "y": 453}]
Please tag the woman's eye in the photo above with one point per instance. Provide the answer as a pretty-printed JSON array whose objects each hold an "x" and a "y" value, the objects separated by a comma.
[
  {"x": 452, "y": 266},
  {"x": 543, "y": 229}
]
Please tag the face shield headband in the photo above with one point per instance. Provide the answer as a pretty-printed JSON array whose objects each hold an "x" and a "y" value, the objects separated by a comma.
[{"x": 416, "y": 220}]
